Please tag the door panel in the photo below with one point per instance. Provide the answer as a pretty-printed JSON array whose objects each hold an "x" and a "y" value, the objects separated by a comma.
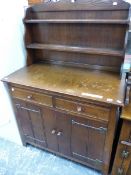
[
  {"x": 50, "y": 128},
  {"x": 63, "y": 134},
  {"x": 37, "y": 124},
  {"x": 24, "y": 119},
  {"x": 79, "y": 139},
  {"x": 31, "y": 122},
  {"x": 57, "y": 126},
  {"x": 87, "y": 141},
  {"x": 96, "y": 140}
]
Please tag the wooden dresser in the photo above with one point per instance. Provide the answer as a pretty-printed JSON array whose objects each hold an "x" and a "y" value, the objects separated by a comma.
[
  {"x": 122, "y": 163},
  {"x": 68, "y": 98}
]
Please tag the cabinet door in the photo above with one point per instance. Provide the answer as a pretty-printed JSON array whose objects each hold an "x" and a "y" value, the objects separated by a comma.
[
  {"x": 31, "y": 122},
  {"x": 63, "y": 122},
  {"x": 57, "y": 126},
  {"x": 87, "y": 141}
]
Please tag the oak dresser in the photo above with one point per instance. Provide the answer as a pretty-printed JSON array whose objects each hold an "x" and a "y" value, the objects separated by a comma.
[
  {"x": 68, "y": 98},
  {"x": 122, "y": 162}
]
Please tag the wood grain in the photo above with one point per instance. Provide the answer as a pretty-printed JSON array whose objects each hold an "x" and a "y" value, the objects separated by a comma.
[
  {"x": 87, "y": 84},
  {"x": 99, "y": 51}
]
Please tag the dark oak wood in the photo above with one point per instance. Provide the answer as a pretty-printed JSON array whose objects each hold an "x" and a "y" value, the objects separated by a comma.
[
  {"x": 98, "y": 21},
  {"x": 81, "y": 48},
  {"x": 31, "y": 96},
  {"x": 63, "y": 132},
  {"x": 71, "y": 31},
  {"x": 80, "y": 108},
  {"x": 67, "y": 48},
  {"x": 68, "y": 98},
  {"x": 58, "y": 129},
  {"x": 31, "y": 123},
  {"x": 123, "y": 154},
  {"x": 84, "y": 145},
  {"x": 88, "y": 84},
  {"x": 122, "y": 162}
]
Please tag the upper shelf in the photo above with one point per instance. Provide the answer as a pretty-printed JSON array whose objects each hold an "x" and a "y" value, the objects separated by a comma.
[
  {"x": 65, "y": 48},
  {"x": 95, "y": 21}
]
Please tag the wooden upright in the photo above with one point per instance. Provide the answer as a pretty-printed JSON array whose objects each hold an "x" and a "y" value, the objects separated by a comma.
[{"x": 68, "y": 97}]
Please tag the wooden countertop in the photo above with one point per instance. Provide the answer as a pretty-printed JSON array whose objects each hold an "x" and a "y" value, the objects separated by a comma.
[
  {"x": 90, "y": 84},
  {"x": 126, "y": 113}
]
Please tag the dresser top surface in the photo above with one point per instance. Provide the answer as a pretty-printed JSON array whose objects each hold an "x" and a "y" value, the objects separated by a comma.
[
  {"x": 89, "y": 84},
  {"x": 126, "y": 113}
]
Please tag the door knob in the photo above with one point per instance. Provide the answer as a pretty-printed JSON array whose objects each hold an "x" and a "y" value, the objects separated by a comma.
[
  {"x": 59, "y": 133},
  {"x": 53, "y": 132},
  {"x": 79, "y": 109},
  {"x": 12, "y": 89},
  {"x": 29, "y": 97},
  {"x": 73, "y": 1}
]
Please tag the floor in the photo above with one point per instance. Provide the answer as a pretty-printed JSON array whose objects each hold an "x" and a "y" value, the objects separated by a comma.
[
  {"x": 9, "y": 132},
  {"x": 18, "y": 160}
]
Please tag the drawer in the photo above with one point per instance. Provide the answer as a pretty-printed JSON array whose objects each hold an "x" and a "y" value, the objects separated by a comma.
[
  {"x": 28, "y": 95},
  {"x": 86, "y": 109}
]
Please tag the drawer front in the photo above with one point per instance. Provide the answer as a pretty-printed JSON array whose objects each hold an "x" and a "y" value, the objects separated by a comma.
[
  {"x": 28, "y": 95},
  {"x": 87, "y": 109}
]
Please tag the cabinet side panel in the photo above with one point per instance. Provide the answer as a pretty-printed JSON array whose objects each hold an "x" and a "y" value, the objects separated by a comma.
[{"x": 109, "y": 138}]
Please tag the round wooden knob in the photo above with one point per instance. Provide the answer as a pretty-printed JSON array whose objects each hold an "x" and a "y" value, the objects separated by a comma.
[
  {"x": 53, "y": 131},
  {"x": 12, "y": 89},
  {"x": 59, "y": 133},
  {"x": 73, "y": 1},
  {"x": 29, "y": 97},
  {"x": 115, "y": 3},
  {"x": 79, "y": 109}
]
